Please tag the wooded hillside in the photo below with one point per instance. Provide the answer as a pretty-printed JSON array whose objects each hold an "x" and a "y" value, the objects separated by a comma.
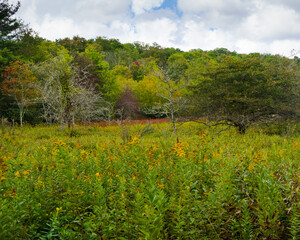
[{"x": 78, "y": 80}]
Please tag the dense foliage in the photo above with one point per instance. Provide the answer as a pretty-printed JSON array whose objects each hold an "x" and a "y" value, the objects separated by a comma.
[
  {"x": 147, "y": 181},
  {"x": 240, "y": 91},
  {"x": 137, "y": 80},
  {"x": 138, "y": 182}
]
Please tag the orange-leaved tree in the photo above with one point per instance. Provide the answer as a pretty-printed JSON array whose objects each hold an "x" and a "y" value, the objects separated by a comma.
[{"x": 19, "y": 83}]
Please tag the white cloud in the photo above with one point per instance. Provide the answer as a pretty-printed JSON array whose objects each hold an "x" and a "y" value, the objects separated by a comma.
[
  {"x": 161, "y": 31},
  {"x": 272, "y": 23},
  {"x": 103, "y": 10},
  {"x": 61, "y": 27},
  {"x": 140, "y": 6},
  {"x": 241, "y": 25},
  {"x": 282, "y": 47},
  {"x": 196, "y": 35}
]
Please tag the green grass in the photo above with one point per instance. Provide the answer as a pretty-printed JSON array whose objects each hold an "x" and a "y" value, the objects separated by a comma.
[{"x": 140, "y": 182}]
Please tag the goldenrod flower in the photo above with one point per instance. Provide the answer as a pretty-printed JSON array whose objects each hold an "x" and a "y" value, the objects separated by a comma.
[
  {"x": 179, "y": 149},
  {"x": 58, "y": 209},
  {"x": 26, "y": 172}
]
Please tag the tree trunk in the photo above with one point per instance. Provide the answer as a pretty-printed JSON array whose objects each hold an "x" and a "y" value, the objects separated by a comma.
[
  {"x": 68, "y": 112},
  {"x": 21, "y": 115},
  {"x": 173, "y": 120}
]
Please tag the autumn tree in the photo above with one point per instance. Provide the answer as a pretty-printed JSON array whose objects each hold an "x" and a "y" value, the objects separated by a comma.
[
  {"x": 19, "y": 83},
  {"x": 9, "y": 28},
  {"x": 128, "y": 105}
]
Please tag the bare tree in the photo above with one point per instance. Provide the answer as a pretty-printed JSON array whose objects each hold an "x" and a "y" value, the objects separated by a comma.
[
  {"x": 65, "y": 96},
  {"x": 173, "y": 100}
]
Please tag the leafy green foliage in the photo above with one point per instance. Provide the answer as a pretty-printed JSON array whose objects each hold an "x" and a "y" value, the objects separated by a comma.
[
  {"x": 8, "y": 24},
  {"x": 241, "y": 91},
  {"x": 78, "y": 185}
]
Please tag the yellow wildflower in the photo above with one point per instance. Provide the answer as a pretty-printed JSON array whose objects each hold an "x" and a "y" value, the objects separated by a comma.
[
  {"x": 161, "y": 185},
  {"x": 25, "y": 172},
  {"x": 179, "y": 149}
]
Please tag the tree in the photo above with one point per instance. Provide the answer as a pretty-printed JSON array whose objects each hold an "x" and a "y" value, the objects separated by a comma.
[
  {"x": 65, "y": 95},
  {"x": 109, "y": 44},
  {"x": 19, "y": 83},
  {"x": 75, "y": 45},
  {"x": 47, "y": 50},
  {"x": 9, "y": 27},
  {"x": 27, "y": 45},
  {"x": 128, "y": 105},
  {"x": 241, "y": 91},
  {"x": 148, "y": 94},
  {"x": 172, "y": 80},
  {"x": 8, "y": 24}
]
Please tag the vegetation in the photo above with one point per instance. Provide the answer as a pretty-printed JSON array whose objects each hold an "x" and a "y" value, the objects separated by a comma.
[
  {"x": 9, "y": 24},
  {"x": 240, "y": 91},
  {"x": 136, "y": 80},
  {"x": 138, "y": 182},
  {"x": 103, "y": 178}
]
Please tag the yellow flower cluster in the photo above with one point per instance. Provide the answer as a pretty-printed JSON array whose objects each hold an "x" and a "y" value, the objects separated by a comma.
[
  {"x": 99, "y": 176},
  {"x": 11, "y": 193},
  {"x": 179, "y": 149},
  {"x": 161, "y": 185},
  {"x": 58, "y": 143},
  {"x": 84, "y": 154},
  {"x": 135, "y": 140}
]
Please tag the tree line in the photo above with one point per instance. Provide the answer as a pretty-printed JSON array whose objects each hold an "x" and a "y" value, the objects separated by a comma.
[{"x": 81, "y": 80}]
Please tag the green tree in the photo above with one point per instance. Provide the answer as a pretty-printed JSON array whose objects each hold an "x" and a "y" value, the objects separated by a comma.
[
  {"x": 109, "y": 45},
  {"x": 148, "y": 93},
  {"x": 47, "y": 50},
  {"x": 75, "y": 45},
  {"x": 241, "y": 91},
  {"x": 107, "y": 84},
  {"x": 8, "y": 24},
  {"x": 27, "y": 45}
]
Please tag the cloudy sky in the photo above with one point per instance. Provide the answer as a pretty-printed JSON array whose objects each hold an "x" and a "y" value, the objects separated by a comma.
[{"x": 265, "y": 26}]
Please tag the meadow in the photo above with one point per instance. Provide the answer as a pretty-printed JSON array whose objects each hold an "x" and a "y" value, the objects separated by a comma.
[{"x": 142, "y": 182}]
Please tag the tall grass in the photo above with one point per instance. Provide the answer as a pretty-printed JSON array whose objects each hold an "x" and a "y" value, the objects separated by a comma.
[{"x": 143, "y": 183}]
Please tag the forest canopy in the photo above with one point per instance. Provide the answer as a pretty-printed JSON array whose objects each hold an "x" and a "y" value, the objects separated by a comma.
[{"x": 77, "y": 79}]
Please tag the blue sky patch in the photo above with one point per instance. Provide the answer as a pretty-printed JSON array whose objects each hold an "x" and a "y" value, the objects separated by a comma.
[{"x": 172, "y": 5}]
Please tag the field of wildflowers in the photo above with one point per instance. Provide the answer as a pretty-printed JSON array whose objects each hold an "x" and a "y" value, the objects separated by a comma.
[{"x": 141, "y": 182}]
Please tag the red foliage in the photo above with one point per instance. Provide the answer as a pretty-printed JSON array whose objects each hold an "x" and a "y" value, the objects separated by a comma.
[
  {"x": 18, "y": 82},
  {"x": 129, "y": 105}
]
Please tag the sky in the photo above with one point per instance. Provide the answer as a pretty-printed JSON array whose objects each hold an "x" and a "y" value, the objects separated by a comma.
[{"x": 244, "y": 26}]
